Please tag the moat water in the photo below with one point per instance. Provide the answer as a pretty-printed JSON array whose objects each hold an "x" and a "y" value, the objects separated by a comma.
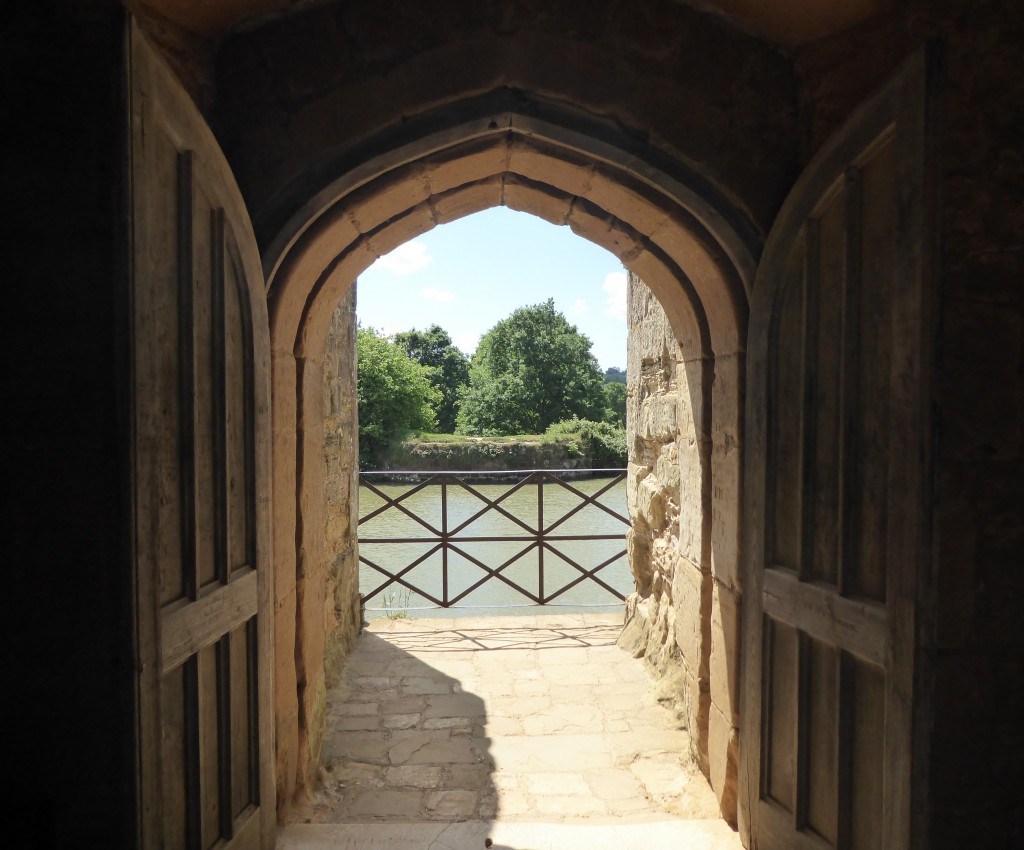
[{"x": 494, "y": 597}]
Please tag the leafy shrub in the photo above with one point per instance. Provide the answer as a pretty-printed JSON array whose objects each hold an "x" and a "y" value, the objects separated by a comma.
[{"x": 603, "y": 442}]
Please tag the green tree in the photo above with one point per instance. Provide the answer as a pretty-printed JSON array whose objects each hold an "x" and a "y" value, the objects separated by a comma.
[
  {"x": 395, "y": 393},
  {"x": 529, "y": 371},
  {"x": 614, "y": 375},
  {"x": 450, "y": 368},
  {"x": 615, "y": 404}
]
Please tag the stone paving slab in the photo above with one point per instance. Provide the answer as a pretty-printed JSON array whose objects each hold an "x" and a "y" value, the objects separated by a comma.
[
  {"x": 535, "y": 721},
  {"x": 470, "y": 835}
]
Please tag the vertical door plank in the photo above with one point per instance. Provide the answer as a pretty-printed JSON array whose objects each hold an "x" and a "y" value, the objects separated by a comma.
[
  {"x": 241, "y": 722},
  {"x": 822, "y": 739},
  {"x": 209, "y": 749},
  {"x": 204, "y": 393},
  {"x": 782, "y": 714},
  {"x": 867, "y": 780},
  {"x": 239, "y": 450},
  {"x": 878, "y": 262},
  {"x": 825, "y": 390},
  {"x": 172, "y": 707},
  {"x": 785, "y": 422}
]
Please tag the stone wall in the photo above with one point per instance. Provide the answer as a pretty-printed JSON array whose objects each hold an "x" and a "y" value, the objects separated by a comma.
[
  {"x": 671, "y": 618},
  {"x": 342, "y": 614}
]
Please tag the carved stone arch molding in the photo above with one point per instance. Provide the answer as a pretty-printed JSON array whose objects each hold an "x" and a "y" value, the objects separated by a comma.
[{"x": 667, "y": 224}]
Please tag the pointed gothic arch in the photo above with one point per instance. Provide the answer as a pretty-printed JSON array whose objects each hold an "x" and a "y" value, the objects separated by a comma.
[{"x": 667, "y": 224}]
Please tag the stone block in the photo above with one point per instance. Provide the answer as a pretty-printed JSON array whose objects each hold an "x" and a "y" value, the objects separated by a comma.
[
  {"x": 727, "y": 400},
  {"x": 697, "y": 706},
  {"x": 692, "y": 593},
  {"x": 726, "y": 469},
  {"x": 629, "y": 201},
  {"x": 411, "y": 223},
  {"x": 451, "y": 804},
  {"x": 467, "y": 200},
  {"x": 603, "y": 230},
  {"x": 692, "y": 523},
  {"x": 663, "y": 284},
  {"x": 415, "y": 775},
  {"x": 652, "y": 503},
  {"x": 658, "y": 420},
  {"x": 542, "y": 164},
  {"x": 549, "y": 204},
  {"x": 384, "y": 803},
  {"x": 723, "y": 759},
  {"x": 388, "y": 197},
  {"x": 325, "y": 240},
  {"x": 468, "y": 163},
  {"x": 311, "y": 333},
  {"x": 724, "y": 663}
]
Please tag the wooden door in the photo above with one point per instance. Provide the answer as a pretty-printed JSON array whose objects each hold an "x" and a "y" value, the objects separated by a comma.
[
  {"x": 836, "y": 474},
  {"x": 200, "y": 357}
]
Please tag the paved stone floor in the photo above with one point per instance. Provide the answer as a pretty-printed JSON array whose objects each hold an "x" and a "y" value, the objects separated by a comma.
[{"x": 533, "y": 731}]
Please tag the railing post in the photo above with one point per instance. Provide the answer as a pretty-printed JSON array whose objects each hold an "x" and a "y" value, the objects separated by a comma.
[
  {"x": 540, "y": 538},
  {"x": 444, "y": 541}
]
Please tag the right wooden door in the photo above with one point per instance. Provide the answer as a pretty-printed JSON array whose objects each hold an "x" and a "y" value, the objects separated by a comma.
[{"x": 837, "y": 434}]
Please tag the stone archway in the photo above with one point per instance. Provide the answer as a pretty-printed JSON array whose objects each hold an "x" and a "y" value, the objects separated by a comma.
[{"x": 666, "y": 225}]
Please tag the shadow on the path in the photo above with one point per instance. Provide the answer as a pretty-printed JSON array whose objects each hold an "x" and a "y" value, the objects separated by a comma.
[{"x": 405, "y": 743}]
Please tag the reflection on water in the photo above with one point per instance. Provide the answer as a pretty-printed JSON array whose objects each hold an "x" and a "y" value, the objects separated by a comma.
[{"x": 520, "y": 556}]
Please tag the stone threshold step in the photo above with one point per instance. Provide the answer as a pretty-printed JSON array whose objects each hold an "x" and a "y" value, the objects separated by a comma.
[{"x": 471, "y": 835}]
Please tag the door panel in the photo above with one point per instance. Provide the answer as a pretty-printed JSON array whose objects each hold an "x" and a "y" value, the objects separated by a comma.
[
  {"x": 837, "y": 438},
  {"x": 201, "y": 398}
]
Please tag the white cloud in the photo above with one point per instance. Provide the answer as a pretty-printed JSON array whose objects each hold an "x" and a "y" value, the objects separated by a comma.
[
  {"x": 580, "y": 306},
  {"x": 431, "y": 294},
  {"x": 615, "y": 287},
  {"x": 406, "y": 259},
  {"x": 467, "y": 341}
]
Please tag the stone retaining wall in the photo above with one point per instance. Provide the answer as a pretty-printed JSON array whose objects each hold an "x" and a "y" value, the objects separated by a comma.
[{"x": 477, "y": 453}]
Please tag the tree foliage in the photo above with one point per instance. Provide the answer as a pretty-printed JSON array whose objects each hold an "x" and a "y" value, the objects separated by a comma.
[
  {"x": 395, "y": 392},
  {"x": 614, "y": 375},
  {"x": 434, "y": 349},
  {"x": 529, "y": 371},
  {"x": 615, "y": 404}
]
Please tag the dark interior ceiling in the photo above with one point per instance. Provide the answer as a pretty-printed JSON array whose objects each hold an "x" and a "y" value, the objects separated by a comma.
[{"x": 787, "y": 23}]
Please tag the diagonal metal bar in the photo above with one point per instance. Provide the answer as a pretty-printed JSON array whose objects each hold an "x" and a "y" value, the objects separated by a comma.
[
  {"x": 495, "y": 505},
  {"x": 394, "y": 503},
  {"x": 393, "y": 577},
  {"x": 587, "y": 500},
  {"x": 495, "y": 572},
  {"x": 584, "y": 575}
]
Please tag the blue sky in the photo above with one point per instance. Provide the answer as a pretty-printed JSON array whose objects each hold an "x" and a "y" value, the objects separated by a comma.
[{"x": 468, "y": 275}]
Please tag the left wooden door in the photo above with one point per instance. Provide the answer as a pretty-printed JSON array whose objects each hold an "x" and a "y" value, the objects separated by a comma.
[{"x": 201, "y": 456}]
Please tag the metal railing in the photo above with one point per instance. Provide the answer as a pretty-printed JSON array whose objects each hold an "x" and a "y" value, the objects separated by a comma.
[{"x": 451, "y": 538}]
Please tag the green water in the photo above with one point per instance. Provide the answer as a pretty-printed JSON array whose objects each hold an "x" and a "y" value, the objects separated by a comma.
[{"x": 494, "y": 597}]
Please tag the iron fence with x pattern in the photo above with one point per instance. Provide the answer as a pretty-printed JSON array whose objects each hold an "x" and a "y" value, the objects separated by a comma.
[{"x": 447, "y": 538}]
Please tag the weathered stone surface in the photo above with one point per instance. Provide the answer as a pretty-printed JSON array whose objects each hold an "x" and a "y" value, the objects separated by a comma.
[
  {"x": 342, "y": 615},
  {"x": 605, "y": 744},
  {"x": 723, "y": 758},
  {"x": 724, "y": 662},
  {"x": 452, "y": 805},
  {"x": 683, "y": 495}
]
